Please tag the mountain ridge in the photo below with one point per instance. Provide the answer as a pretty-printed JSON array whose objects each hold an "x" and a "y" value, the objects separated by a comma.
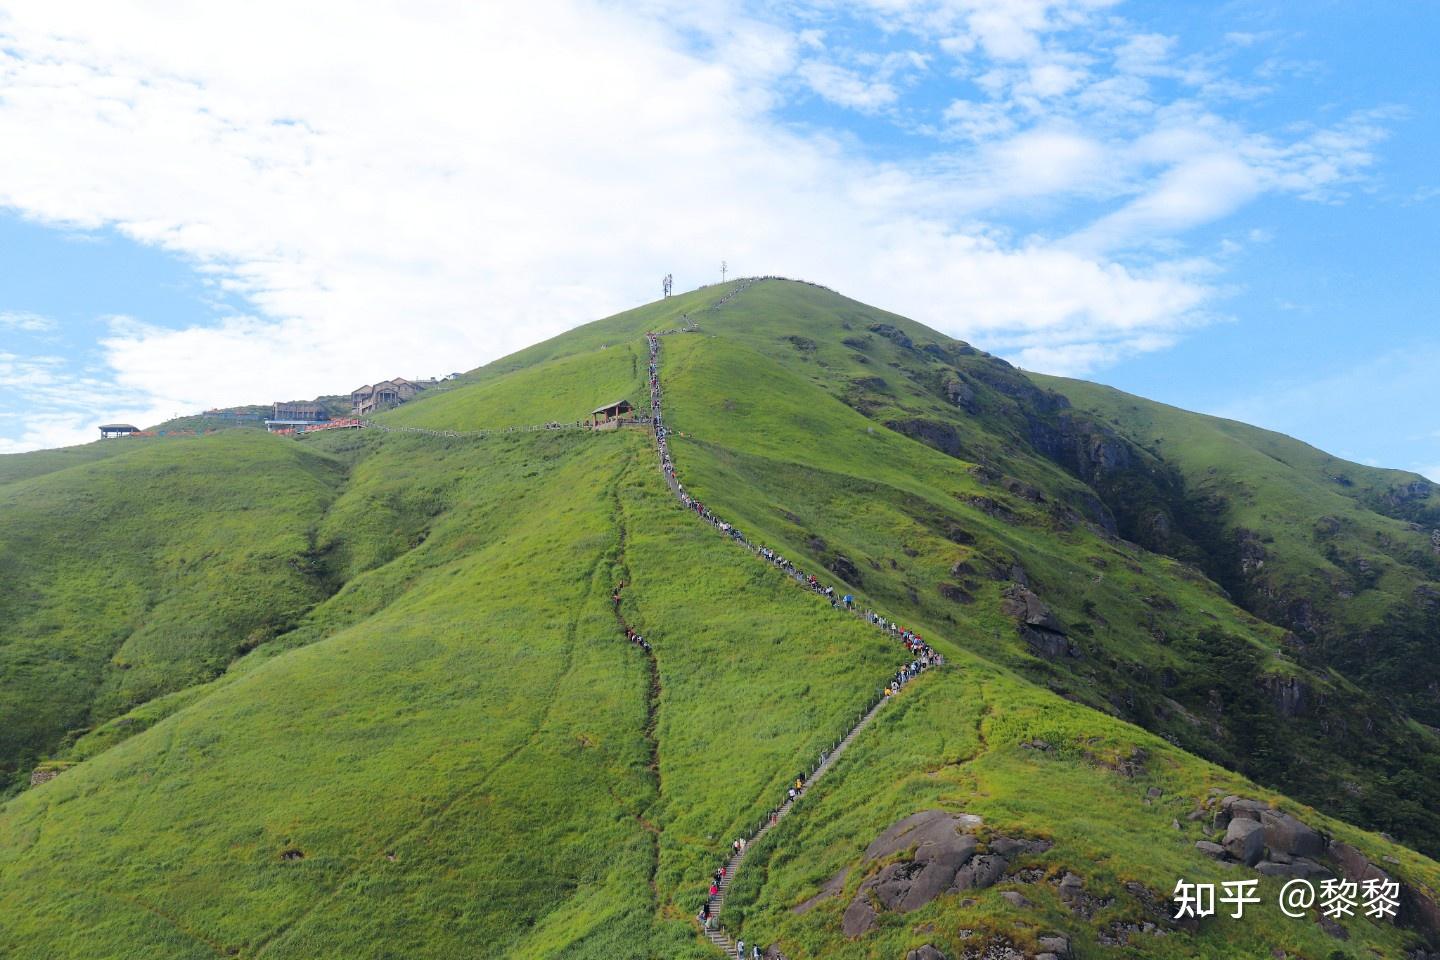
[{"x": 470, "y": 613}]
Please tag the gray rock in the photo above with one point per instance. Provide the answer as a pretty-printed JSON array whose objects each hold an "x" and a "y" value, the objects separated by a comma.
[
  {"x": 859, "y": 916},
  {"x": 1245, "y": 841},
  {"x": 1055, "y": 944},
  {"x": 1289, "y": 835},
  {"x": 1014, "y": 898},
  {"x": 1023, "y": 604},
  {"x": 927, "y": 952},
  {"x": 1047, "y": 643},
  {"x": 1308, "y": 869},
  {"x": 918, "y": 829},
  {"x": 1240, "y": 808},
  {"x": 939, "y": 865},
  {"x": 1270, "y": 868},
  {"x": 1353, "y": 865},
  {"x": 1071, "y": 886},
  {"x": 981, "y": 872},
  {"x": 1210, "y": 849}
]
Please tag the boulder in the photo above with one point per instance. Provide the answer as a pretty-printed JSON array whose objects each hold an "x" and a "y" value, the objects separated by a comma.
[
  {"x": 1245, "y": 841},
  {"x": 1024, "y": 605},
  {"x": 1240, "y": 808},
  {"x": 927, "y": 952},
  {"x": 1054, "y": 944},
  {"x": 1045, "y": 643},
  {"x": 1353, "y": 865},
  {"x": 1070, "y": 887},
  {"x": 1288, "y": 835},
  {"x": 981, "y": 872},
  {"x": 1014, "y": 898},
  {"x": 1271, "y": 868},
  {"x": 945, "y": 858},
  {"x": 859, "y": 916},
  {"x": 1210, "y": 849}
]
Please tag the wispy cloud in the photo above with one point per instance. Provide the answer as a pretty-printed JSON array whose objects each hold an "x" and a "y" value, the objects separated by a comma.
[
  {"x": 23, "y": 320},
  {"x": 339, "y": 170}
]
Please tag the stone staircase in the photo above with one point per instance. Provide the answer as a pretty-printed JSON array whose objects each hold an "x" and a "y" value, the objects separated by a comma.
[{"x": 717, "y": 934}]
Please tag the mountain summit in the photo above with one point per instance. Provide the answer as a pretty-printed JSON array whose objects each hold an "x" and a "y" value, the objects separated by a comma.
[{"x": 480, "y": 678}]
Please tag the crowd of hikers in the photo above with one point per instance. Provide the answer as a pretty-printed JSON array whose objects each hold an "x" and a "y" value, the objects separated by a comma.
[{"x": 922, "y": 656}]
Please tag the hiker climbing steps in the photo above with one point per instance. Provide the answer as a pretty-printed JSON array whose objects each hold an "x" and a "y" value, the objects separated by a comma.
[{"x": 922, "y": 656}]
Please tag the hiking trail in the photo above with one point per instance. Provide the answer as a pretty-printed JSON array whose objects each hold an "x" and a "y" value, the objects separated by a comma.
[{"x": 715, "y": 932}]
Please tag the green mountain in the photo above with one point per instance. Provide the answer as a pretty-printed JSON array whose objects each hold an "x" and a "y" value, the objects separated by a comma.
[{"x": 370, "y": 693}]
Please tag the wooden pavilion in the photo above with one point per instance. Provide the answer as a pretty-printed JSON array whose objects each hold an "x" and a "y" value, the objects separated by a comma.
[
  {"x": 109, "y": 431},
  {"x": 612, "y": 414}
]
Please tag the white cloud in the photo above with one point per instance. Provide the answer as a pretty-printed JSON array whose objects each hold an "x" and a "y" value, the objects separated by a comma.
[
  {"x": 25, "y": 321},
  {"x": 401, "y": 190},
  {"x": 1430, "y": 473},
  {"x": 847, "y": 88}
]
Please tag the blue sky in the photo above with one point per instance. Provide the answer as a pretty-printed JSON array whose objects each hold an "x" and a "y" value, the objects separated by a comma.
[{"x": 1229, "y": 207}]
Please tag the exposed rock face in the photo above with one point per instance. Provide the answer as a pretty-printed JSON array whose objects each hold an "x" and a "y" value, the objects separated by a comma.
[
  {"x": 1289, "y": 694},
  {"x": 40, "y": 776},
  {"x": 933, "y": 433},
  {"x": 1279, "y": 844},
  {"x": 926, "y": 952},
  {"x": 956, "y": 593},
  {"x": 959, "y": 393},
  {"x": 1287, "y": 835},
  {"x": 946, "y": 859},
  {"x": 890, "y": 332},
  {"x": 1024, "y": 605},
  {"x": 1245, "y": 841},
  {"x": 844, "y": 568},
  {"x": 1252, "y": 551},
  {"x": 1038, "y": 625}
]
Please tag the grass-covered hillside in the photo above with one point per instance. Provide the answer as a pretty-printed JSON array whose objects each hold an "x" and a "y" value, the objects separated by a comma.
[
  {"x": 1346, "y": 557},
  {"x": 368, "y": 694},
  {"x": 134, "y": 570}
]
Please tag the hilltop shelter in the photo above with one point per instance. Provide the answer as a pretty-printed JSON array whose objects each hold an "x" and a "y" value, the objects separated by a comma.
[
  {"x": 109, "y": 431},
  {"x": 375, "y": 397},
  {"x": 309, "y": 412},
  {"x": 613, "y": 413}
]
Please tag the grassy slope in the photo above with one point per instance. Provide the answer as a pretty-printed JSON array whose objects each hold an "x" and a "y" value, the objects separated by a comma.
[
  {"x": 563, "y": 389},
  {"x": 23, "y": 466},
  {"x": 1360, "y": 575},
  {"x": 468, "y": 706},
  {"x": 777, "y": 451},
  {"x": 485, "y": 718},
  {"x": 464, "y": 703},
  {"x": 953, "y": 741},
  {"x": 186, "y": 562}
]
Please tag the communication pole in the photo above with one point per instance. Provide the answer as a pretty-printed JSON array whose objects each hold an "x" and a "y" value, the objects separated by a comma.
[
  {"x": 666, "y": 283},
  {"x": 723, "y": 268}
]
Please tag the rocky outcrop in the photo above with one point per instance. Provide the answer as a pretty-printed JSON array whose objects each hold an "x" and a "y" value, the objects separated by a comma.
[
  {"x": 1245, "y": 841},
  {"x": 933, "y": 433},
  {"x": 894, "y": 334},
  {"x": 1252, "y": 551},
  {"x": 927, "y": 952},
  {"x": 43, "y": 775},
  {"x": 1289, "y": 694},
  {"x": 959, "y": 393},
  {"x": 1041, "y": 630},
  {"x": 942, "y": 856},
  {"x": 1278, "y": 844}
]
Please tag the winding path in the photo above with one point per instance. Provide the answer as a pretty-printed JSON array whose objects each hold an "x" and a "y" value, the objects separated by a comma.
[{"x": 716, "y": 934}]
